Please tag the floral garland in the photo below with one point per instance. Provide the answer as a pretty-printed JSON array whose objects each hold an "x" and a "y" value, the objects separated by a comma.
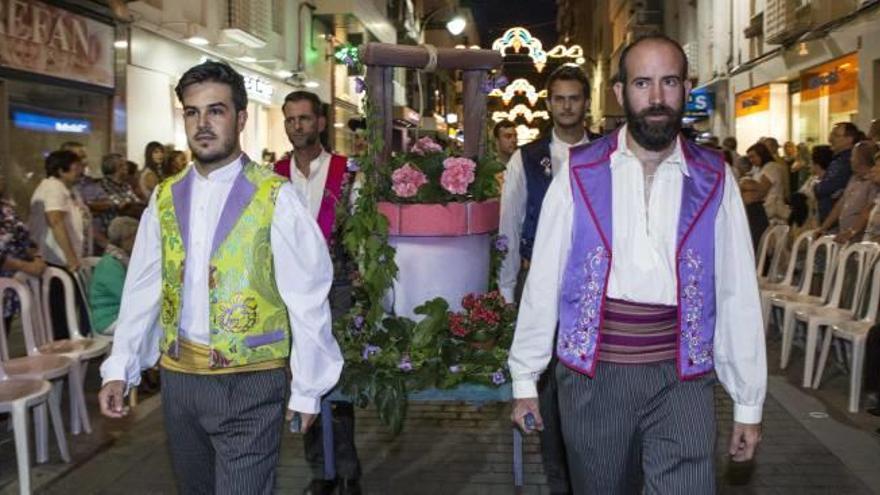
[{"x": 388, "y": 356}]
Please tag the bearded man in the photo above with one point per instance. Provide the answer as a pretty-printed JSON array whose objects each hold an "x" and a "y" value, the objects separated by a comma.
[{"x": 643, "y": 258}]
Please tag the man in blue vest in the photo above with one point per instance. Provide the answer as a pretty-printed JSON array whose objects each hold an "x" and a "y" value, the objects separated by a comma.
[
  {"x": 643, "y": 262},
  {"x": 529, "y": 173}
]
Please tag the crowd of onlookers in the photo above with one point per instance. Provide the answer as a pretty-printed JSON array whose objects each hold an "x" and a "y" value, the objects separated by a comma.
[
  {"x": 833, "y": 188},
  {"x": 74, "y": 215}
]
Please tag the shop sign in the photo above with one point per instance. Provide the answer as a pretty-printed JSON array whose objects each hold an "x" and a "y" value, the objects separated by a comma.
[
  {"x": 837, "y": 76},
  {"x": 47, "y": 123},
  {"x": 259, "y": 88},
  {"x": 43, "y": 39},
  {"x": 755, "y": 100},
  {"x": 700, "y": 103}
]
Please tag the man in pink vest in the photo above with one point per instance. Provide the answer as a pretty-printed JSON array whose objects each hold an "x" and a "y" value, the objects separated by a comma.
[
  {"x": 322, "y": 180},
  {"x": 643, "y": 259}
]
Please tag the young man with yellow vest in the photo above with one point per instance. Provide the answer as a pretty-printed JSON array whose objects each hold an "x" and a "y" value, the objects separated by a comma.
[
  {"x": 228, "y": 282},
  {"x": 323, "y": 180}
]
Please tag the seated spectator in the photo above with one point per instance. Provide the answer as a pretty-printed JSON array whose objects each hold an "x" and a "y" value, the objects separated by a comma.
[
  {"x": 842, "y": 139},
  {"x": 851, "y": 212},
  {"x": 820, "y": 159},
  {"x": 116, "y": 194},
  {"x": 765, "y": 187},
  {"x": 17, "y": 251},
  {"x": 872, "y": 230},
  {"x": 108, "y": 278}
]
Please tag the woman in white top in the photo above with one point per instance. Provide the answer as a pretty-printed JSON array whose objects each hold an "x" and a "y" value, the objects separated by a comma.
[
  {"x": 768, "y": 183},
  {"x": 57, "y": 222}
]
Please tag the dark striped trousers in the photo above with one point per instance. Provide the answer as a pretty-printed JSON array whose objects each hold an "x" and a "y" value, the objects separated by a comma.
[
  {"x": 637, "y": 428},
  {"x": 224, "y": 431}
]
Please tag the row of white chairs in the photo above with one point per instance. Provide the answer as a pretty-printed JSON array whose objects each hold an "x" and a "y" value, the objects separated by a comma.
[
  {"x": 837, "y": 292},
  {"x": 36, "y": 380}
]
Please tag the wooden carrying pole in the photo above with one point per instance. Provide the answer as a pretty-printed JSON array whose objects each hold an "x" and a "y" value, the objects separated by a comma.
[{"x": 381, "y": 58}]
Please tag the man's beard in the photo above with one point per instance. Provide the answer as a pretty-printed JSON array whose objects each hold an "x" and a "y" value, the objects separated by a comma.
[
  {"x": 208, "y": 157},
  {"x": 653, "y": 136},
  {"x": 304, "y": 141}
]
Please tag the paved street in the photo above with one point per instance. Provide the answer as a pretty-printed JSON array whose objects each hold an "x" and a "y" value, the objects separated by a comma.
[{"x": 810, "y": 446}]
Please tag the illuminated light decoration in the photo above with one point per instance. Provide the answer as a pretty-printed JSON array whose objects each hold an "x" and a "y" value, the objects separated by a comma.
[
  {"x": 347, "y": 54},
  {"x": 521, "y": 111},
  {"x": 525, "y": 134},
  {"x": 519, "y": 86},
  {"x": 472, "y": 47},
  {"x": 562, "y": 51},
  {"x": 519, "y": 38}
]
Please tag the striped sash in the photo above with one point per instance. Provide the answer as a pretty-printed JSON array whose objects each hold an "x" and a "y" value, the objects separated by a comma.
[{"x": 636, "y": 333}]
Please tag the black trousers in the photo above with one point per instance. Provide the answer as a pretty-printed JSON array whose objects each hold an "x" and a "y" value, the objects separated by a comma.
[
  {"x": 224, "y": 431},
  {"x": 758, "y": 222},
  {"x": 60, "y": 329},
  {"x": 348, "y": 464}
]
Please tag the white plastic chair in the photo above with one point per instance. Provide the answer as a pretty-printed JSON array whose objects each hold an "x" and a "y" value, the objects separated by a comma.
[
  {"x": 856, "y": 334},
  {"x": 785, "y": 301},
  {"x": 772, "y": 241},
  {"x": 834, "y": 310},
  {"x": 53, "y": 369},
  {"x": 17, "y": 396},
  {"x": 788, "y": 285},
  {"x": 80, "y": 348}
]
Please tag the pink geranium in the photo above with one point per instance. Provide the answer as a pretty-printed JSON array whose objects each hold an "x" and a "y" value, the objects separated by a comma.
[
  {"x": 407, "y": 180},
  {"x": 458, "y": 174},
  {"x": 424, "y": 146}
]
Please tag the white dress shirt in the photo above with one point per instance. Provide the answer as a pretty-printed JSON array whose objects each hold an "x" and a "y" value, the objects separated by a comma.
[
  {"x": 514, "y": 198},
  {"x": 304, "y": 274},
  {"x": 311, "y": 188},
  {"x": 643, "y": 270}
]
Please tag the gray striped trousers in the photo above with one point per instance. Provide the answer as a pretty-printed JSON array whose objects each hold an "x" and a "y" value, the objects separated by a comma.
[
  {"x": 638, "y": 429},
  {"x": 224, "y": 431}
]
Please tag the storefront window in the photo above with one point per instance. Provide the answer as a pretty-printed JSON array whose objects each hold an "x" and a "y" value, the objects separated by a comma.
[
  {"x": 41, "y": 118},
  {"x": 829, "y": 94}
]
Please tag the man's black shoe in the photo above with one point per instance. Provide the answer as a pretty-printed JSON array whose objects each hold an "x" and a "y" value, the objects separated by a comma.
[
  {"x": 320, "y": 487},
  {"x": 349, "y": 486}
]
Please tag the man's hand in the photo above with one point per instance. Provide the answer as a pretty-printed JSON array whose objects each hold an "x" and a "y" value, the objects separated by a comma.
[
  {"x": 307, "y": 419},
  {"x": 744, "y": 441},
  {"x": 521, "y": 408},
  {"x": 112, "y": 399}
]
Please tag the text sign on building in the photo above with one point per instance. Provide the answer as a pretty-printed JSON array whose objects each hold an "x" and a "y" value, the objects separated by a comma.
[
  {"x": 755, "y": 100},
  {"x": 47, "y": 123},
  {"x": 700, "y": 103},
  {"x": 39, "y": 38},
  {"x": 259, "y": 88}
]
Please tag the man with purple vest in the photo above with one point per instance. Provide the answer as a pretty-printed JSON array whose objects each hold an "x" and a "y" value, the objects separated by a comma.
[
  {"x": 643, "y": 259},
  {"x": 529, "y": 173}
]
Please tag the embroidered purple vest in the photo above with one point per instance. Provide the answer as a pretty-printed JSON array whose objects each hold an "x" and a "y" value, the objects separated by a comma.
[{"x": 585, "y": 282}]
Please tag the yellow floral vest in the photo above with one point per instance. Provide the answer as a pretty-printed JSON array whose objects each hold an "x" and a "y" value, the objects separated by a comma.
[{"x": 248, "y": 319}]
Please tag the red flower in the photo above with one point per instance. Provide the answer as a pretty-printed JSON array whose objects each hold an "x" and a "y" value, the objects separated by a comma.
[
  {"x": 469, "y": 301},
  {"x": 457, "y": 325}
]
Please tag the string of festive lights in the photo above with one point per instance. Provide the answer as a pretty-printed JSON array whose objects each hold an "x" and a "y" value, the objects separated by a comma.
[
  {"x": 519, "y": 86},
  {"x": 521, "y": 111},
  {"x": 518, "y": 38}
]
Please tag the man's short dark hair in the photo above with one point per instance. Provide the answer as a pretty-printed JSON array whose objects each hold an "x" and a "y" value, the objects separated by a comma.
[
  {"x": 60, "y": 161},
  {"x": 729, "y": 142},
  {"x": 569, "y": 72},
  {"x": 851, "y": 131},
  {"x": 218, "y": 72},
  {"x": 822, "y": 155},
  {"x": 70, "y": 145},
  {"x": 621, "y": 62},
  {"x": 304, "y": 96},
  {"x": 503, "y": 124},
  {"x": 110, "y": 162}
]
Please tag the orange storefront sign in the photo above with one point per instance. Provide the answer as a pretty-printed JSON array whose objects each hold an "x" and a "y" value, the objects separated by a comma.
[
  {"x": 752, "y": 101},
  {"x": 830, "y": 78},
  {"x": 37, "y": 37}
]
